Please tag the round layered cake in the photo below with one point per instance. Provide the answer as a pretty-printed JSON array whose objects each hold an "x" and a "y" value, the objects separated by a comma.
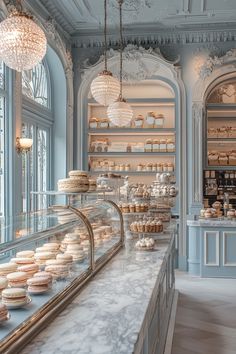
[{"x": 71, "y": 185}]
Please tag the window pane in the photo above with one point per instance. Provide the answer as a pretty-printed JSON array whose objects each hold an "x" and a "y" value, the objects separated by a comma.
[
  {"x": 35, "y": 176},
  {"x": 35, "y": 84},
  {"x": 2, "y": 143},
  {"x": 42, "y": 166},
  {"x": 27, "y": 170}
]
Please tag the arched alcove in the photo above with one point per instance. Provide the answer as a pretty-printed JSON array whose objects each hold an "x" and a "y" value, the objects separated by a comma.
[
  {"x": 213, "y": 72},
  {"x": 142, "y": 67}
]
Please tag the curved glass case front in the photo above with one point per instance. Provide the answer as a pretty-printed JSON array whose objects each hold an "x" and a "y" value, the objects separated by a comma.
[
  {"x": 68, "y": 243},
  {"x": 107, "y": 226}
]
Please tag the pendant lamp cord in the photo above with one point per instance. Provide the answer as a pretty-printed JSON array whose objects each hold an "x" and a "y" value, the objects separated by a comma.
[
  {"x": 19, "y": 5},
  {"x": 105, "y": 33},
  {"x": 121, "y": 49}
]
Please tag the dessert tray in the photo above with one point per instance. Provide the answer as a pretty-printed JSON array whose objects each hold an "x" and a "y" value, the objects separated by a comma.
[{"x": 145, "y": 244}]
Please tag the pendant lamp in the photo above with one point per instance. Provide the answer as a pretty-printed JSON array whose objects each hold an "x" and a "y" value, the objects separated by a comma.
[
  {"x": 120, "y": 113},
  {"x": 105, "y": 88},
  {"x": 23, "y": 43}
]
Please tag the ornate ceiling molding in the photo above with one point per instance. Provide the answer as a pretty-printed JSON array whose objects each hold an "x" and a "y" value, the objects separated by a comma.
[
  {"x": 135, "y": 66},
  {"x": 149, "y": 35}
]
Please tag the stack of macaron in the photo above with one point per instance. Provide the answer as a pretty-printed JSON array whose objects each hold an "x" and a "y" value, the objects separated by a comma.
[
  {"x": 17, "y": 279},
  {"x": 76, "y": 251},
  {"x": 3, "y": 284},
  {"x": 25, "y": 254},
  {"x": 7, "y": 268},
  {"x": 65, "y": 216},
  {"x": 29, "y": 269},
  {"x": 4, "y": 314},
  {"x": 65, "y": 259},
  {"x": 40, "y": 283},
  {"x": 72, "y": 238},
  {"x": 57, "y": 269},
  {"x": 41, "y": 256},
  {"x": 23, "y": 258},
  {"x": 14, "y": 297},
  {"x": 52, "y": 247}
]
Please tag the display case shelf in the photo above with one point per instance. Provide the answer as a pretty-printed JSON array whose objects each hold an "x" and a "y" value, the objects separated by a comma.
[
  {"x": 131, "y": 153},
  {"x": 138, "y": 173}
]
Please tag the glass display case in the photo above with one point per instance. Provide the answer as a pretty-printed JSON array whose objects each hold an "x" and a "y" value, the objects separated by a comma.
[{"x": 45, "y": 259}]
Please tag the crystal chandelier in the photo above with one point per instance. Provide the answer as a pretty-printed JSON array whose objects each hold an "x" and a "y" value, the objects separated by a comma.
[
  {"x": 105, "y": 88},
  {"x": 23, "y": 43},
  {"x": 120, "y": 113}
]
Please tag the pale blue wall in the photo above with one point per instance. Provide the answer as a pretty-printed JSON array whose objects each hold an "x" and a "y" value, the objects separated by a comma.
[{"x": 59, "y": 100}]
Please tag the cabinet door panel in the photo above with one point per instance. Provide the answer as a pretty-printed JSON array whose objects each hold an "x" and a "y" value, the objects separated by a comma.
[
  {"x": 229, "y": 249},
  {"x": 211, "y": 248}
]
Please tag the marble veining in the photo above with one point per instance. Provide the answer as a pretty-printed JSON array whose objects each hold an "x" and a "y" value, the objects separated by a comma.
[
  {"x": 107, "y": 315},
  {"x": 212, "y": 222}
]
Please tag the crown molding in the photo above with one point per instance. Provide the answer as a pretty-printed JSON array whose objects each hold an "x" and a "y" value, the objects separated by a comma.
[{"x": 151, "y": 35}]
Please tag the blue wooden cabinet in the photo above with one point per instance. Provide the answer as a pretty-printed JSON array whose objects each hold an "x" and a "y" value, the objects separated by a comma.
[{"x": 212, "y": 248}]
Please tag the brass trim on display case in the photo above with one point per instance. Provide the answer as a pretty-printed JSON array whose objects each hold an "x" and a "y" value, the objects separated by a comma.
[{"x": 24, "y": 333}]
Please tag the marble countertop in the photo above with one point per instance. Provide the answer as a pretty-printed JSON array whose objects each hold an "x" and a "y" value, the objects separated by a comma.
[
  {"x": 211, "y": 222},
  {"x": 108, "y": 314}
]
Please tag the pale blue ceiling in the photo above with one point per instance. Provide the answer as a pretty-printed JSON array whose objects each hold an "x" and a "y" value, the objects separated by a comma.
[{"x": 79, "y": 16}]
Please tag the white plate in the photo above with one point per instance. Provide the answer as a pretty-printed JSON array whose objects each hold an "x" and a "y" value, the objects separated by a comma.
[{"x": 16, "y": 306}]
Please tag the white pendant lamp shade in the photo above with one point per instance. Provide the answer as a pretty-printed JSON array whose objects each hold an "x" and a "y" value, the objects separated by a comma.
[
  {"x": 23, "y": 43},
  {"x": 120, "y": 113},
  {"x": 105, "y": 88}
]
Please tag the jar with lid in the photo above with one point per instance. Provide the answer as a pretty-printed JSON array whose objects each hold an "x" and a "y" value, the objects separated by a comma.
[
  {"x": 159, "y": 121},
  {"x": 150, "y": 119}
]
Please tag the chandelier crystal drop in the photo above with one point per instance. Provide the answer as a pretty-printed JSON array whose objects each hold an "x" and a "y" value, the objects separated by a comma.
[
  {"x": 105, "y": 88},
  {"x": 23, "y": 43},
  {"x": 120, "y": 113}
]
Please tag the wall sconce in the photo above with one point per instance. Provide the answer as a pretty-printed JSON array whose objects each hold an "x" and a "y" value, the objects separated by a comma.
[{"x": 23, "y": 145}]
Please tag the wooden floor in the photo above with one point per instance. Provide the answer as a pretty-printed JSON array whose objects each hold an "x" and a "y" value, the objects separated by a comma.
[{"x": 206, "y": 316}]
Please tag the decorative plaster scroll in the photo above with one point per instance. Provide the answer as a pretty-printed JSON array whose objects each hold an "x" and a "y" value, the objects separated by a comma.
[
  {"x": 215, "y": 62},
  {"x": 135, "y": 67}
]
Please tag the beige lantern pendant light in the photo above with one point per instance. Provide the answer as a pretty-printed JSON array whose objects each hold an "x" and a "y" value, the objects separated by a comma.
[
  {"x": 120, "y": 113},
  {"x": 105, "y": 88},
  {"x": 23, "y": 43}
]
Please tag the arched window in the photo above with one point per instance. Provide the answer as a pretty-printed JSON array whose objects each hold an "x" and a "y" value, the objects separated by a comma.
[
  {"x": 35, "y": 84},
  {"x": 37, "y": 122}
]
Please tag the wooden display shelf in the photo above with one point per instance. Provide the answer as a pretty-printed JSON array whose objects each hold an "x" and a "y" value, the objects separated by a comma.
[
  {"x": 131, "y": 153},
  {"x": 221, "y": 168},
  {"x": 217, "y": 140},
  {"x": 221, "y": 106},
  {"x": 131, "y": 131}
]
